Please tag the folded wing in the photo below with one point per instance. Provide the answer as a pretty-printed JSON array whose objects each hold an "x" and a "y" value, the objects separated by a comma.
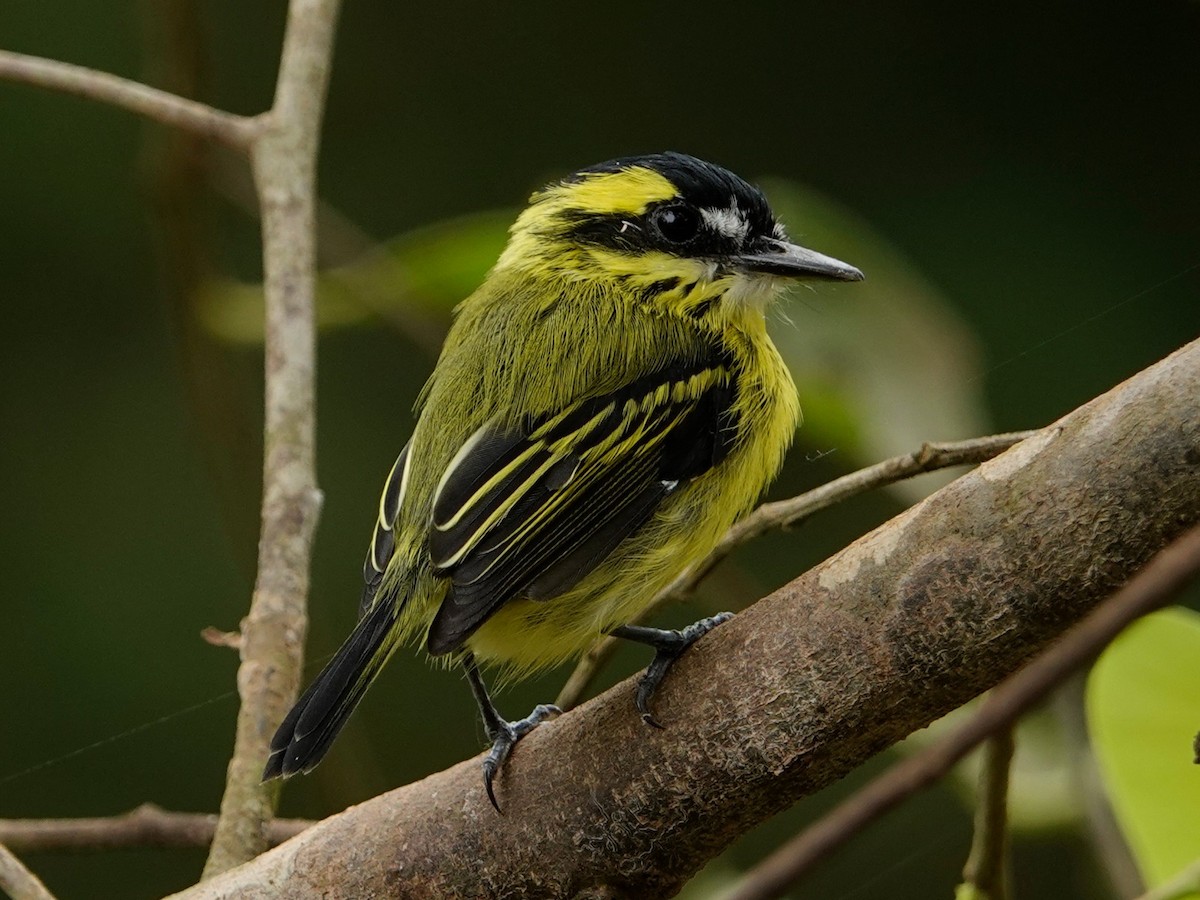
[{"x": 531, "y": 511}]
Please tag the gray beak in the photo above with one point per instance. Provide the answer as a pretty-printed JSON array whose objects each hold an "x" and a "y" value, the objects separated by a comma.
[{"x": 790, "y": 261}]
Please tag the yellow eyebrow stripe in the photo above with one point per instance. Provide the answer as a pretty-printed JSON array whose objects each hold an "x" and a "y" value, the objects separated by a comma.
[{"x": 629, "y": 191}]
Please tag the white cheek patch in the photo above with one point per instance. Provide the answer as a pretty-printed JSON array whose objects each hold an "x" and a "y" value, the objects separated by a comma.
[
  {"x": 730, "y": 222},
  {"x": 756, "y": 291}
]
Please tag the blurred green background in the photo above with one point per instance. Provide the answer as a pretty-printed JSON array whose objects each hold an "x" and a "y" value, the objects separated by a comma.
[{"x": 1027, "y": 173}]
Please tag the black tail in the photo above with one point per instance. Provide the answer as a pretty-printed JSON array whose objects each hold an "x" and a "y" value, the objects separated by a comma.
[{"x": 309, "y": 729}]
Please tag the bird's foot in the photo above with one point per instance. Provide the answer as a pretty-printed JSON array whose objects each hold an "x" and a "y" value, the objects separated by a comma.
[
  {"x": 669, "y": 645},
  {"x": 504, "y": 737}
]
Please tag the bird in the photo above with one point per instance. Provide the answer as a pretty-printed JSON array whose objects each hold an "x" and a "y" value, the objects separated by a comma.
[{"x": 605, "y": 406}]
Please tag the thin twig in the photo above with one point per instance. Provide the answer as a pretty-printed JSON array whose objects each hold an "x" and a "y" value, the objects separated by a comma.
[
  {"x": 146, "y": 826},
  {"x": 17, "y": 881},
  {"x": 218, "y": 638},
  {"x": 159, "y": 106},
  {"x": 351, "y": 259},
  {"x": 790, "y": 512},
  {"x": 1151, "y": 588},
  {"x": 1185, "y": 884},
  {"x": 340, "y": 240},
  {"x": 984, "y": 875},
  {"x": 284, "y": 157}
]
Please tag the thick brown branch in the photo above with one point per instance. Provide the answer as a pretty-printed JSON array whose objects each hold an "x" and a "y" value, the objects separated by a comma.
[
  {"x": 284, "y": 157},
  {"x": 151, "y": 103},
  {"x": 904, "y": 625},
  {"x": 786, "y": 513},
  {"x": 146, "y": 826},
  {"x": 1151, "y": 589}
]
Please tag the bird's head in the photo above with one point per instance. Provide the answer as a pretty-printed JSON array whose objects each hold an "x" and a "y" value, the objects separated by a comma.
[{"x": 677, "y": 231}]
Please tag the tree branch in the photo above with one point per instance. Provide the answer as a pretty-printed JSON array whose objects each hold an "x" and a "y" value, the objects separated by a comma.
[
  {"x": 904, "y": 625},
  {"x": 17, "y": 881},
  {"x": 158, "y": 106},
  {"x": 284, "y": 159},
  {"x": 1154, "y": 587},
  {"x": 786, "y": 514},
  {"x": 146, "y": 826}
]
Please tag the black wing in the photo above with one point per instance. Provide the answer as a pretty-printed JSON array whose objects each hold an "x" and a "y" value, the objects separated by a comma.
[{"x": 531, "y": 512}]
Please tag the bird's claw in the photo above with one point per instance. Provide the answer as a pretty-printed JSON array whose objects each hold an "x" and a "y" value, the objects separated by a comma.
[
  {"x": 666, "y": 652},
  {"x": 504, "y": 737}
]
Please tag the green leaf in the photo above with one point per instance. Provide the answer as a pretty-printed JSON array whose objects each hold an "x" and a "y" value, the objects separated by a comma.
[
  {"x": 1143, "y": 705},
  {"x": 884, "y": 364}
]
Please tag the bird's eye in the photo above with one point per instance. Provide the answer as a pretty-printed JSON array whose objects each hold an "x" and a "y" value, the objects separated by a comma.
[{"x": 678, "y": 224}]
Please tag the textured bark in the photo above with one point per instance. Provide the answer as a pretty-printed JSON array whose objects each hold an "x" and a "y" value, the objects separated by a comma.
[{"x": 904, "y": 625}]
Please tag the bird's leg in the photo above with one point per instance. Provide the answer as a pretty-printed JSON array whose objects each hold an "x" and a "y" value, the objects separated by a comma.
[
  {"x": 502, "y": 733},
  {"x": 668, "y": 646}
]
